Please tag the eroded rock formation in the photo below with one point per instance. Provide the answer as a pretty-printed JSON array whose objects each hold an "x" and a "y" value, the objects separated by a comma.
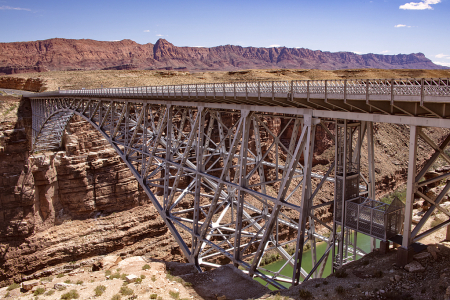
[{"x": 66, "y": 54}]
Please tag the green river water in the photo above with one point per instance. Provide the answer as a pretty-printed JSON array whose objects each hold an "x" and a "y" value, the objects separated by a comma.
[{"x": 363, "y": 242}]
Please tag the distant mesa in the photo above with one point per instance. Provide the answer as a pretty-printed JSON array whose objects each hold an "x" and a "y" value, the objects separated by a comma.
[{"x": 67, "y": 54}]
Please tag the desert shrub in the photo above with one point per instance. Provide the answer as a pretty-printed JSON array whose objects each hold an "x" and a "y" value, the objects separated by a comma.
[
  {"x": 48, "y": 279},
  {"x": 341, "y": 274},
  {"x": 39, "y": 291},
  {"x": 126, "y": 291},
  {"x": 79, "y": 282},
  {"x": 13, "y": 287},
  {"x": 72, "y": 294},
  {"x": 378, "y": 274},
  {"x": 60, "y": 275},
  {"x": 68, "y": 281},
  {"x": 107, "y": 272},
  {"x": 304, "y": 294},
  {"x": 153, "y": 278},
  {"x": 153, "y": 296},
  {"x": 142, "y": 276},
  {"x": 174, "y": 295},
  {"x": 115, "y": 275},
  {"x": 138, "y": 281},
  {"x": 49, "y": 293},
  {"x": 146, "y": 267},
  {"x": 340, "y": 289},
  {"x": 99, "y": 290},
  {"x": 123, "y": 276},
  {"x": 116, "y": 297}
]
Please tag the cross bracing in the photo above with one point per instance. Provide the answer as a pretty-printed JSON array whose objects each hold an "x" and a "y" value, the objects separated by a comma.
[{"x": 227, "y": 182}]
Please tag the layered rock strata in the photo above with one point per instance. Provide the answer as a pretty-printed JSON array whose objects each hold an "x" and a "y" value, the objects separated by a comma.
[{"x": 66, "y": 54}]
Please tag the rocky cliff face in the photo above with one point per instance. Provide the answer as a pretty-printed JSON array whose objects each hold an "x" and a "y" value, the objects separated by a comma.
[
  {"x": 73, "y": 204},
  {"x": 64, "y": 54}
]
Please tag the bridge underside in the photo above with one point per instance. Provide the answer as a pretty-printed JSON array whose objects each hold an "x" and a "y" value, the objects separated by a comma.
[{"x": 232, "y": 185}]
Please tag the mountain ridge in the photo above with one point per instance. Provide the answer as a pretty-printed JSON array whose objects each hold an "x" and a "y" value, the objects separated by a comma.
[{"x": 60, "y": 54}]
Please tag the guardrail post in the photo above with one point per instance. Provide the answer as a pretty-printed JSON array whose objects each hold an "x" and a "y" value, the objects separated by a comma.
[
  {"x": 392, "y": 91},
  {"x": 422, "y": 87}
]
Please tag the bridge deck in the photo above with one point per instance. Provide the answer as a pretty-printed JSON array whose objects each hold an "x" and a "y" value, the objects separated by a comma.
[{"x": 392, "y": 101}]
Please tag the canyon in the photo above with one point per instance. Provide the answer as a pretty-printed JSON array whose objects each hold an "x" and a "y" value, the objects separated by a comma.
[{"x": 60, "y": 54}]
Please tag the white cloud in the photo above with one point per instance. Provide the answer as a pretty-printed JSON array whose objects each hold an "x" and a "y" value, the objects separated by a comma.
[
  {"x": 385, "y": 51},
  {"x": 146, "y": 30},
  {"x": 445, "y": 64},
  {"x": 271, "y": 46},
  {"x": 159, "y": 35},
  {"x": 4, "y": 7},
  {"x": 357, "y": 52},
  {"x": 442, "y": 55},
  {"x": 198, "y": 46},
  {"x": 424, "y": 4},
  {"x": 401, "y": 25}
]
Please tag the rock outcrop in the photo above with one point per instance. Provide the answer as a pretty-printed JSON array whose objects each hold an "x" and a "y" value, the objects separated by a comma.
[{"x": 67, "y": 54}]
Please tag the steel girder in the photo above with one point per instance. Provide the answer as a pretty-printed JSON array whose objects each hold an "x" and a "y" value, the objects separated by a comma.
[{"x": 228, "y": 183}]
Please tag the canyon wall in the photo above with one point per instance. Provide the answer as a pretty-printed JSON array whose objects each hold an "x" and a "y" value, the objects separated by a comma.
[{"x": 68, "y": 54}]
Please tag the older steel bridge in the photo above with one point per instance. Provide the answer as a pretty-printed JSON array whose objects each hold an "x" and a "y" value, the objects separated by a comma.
[{"x": 215, "y": 161}]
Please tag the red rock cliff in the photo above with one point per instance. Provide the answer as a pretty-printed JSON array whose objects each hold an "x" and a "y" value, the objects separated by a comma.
[{"x": 66, "y": 54}]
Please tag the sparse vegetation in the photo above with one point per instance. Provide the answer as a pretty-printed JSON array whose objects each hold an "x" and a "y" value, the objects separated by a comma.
[
  {"x": 340, "y": 274},
  {"x": 13, "y": 286},
  {"x": 60, "y": 275},
  {"x": 138, "y": 280},
  {"x": 153, "y": 278},
  {"x": 146, "y": 267},
  {"x": 72, "y": 294},
  {"x": 39, "y": 291},
  {"x": 116, "y": 297},
  {"x": 107, "y": 272},
  {"x": 174, "y": 295},
  {"x": 304, "y": 294},
  {"x": 79, "y": 282},
  {"x": 340, "y": 289},
  {"x": 49, "y": 293},
  {"x": 153, "y": 296},
  {"x": 123, "y": 276},
  {"x": 126, "y": 291},
  {"x": 47, "y": 279},
  {"x": 99, "y": 290},
  {"x": 143, "y": 276},
  {"x": 68, "y": 281}
]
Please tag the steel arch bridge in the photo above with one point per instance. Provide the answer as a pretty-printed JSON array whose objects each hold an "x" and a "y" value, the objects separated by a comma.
[{"x": 229, "y": 167}]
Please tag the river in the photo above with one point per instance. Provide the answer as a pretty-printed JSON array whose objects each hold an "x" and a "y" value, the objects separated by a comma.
[{"x": 363, "y": 242}]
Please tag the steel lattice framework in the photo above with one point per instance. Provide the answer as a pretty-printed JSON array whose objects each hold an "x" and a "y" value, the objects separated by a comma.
[{"x": 220, "y": 176}]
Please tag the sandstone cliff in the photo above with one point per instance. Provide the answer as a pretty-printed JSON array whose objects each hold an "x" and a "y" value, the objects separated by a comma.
[{"x": 65, "y": 54}]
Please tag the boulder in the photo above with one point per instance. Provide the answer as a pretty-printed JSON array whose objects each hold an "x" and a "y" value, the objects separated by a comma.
[
  {"x": 131, "y": 278},
  {"x": 422, "y": 255},
  {"x": 62, "y": 286},
  {"x": 28, "y": 285},
  {"x": 108, "y": 262},
  {"x": 414, "y": 267}
]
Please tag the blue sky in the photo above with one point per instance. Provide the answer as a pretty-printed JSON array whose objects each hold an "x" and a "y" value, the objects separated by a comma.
[{"x": 361, "y": 26}]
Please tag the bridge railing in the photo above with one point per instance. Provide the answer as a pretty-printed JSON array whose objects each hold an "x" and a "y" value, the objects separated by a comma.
[{"x": 406, "y": 87}]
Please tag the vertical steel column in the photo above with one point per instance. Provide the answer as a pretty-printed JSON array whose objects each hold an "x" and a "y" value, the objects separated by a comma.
[
  {"x": 371, "y": 162},
  {"x": 242, "y": 182},
  {"x": 198, "y": 185},
  {"x": 306, "y": 199},
  {"x": 403, "y": 254},
  {"x": 168, "y": 155}
]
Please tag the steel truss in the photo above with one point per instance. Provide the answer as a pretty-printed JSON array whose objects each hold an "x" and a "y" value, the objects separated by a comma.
[
  {"x": 224, "y": 181},
  {"x": 225, "y": 178}
]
